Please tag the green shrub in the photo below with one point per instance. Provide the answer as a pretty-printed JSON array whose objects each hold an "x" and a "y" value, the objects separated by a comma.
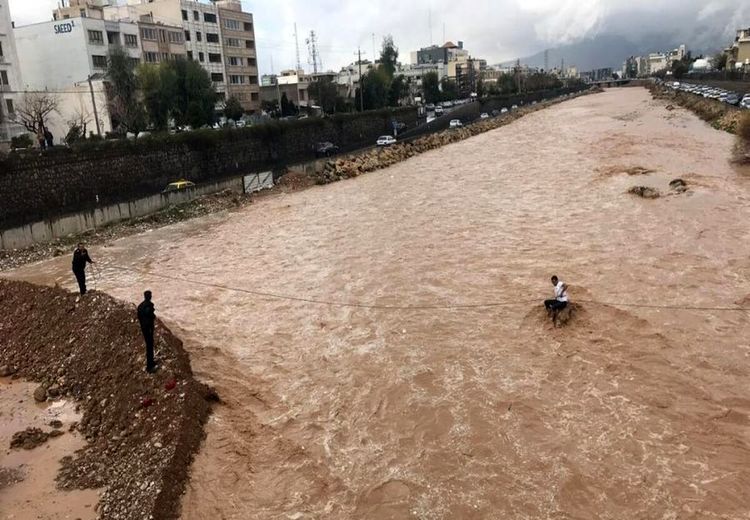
[{"x": 21, "y": 141}]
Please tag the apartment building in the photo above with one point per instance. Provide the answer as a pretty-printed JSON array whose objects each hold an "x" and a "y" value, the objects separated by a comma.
[
  {"x": 240, "y": 59},
  {"x": 60, "y": 56},
  {"x": 9, "y": 77},
  {"x": 159, "y": 42},
  {"x": 739, "y": 53},
  {"x": 220, "y": 36}
]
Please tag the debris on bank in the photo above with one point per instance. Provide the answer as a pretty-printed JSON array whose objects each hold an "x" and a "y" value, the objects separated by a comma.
[{"x": 90, "y": 350}]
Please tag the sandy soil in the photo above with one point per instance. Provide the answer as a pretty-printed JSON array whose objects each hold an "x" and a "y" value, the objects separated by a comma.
[
  {"x": 27, "y": 477},
  {"x": 339, "y": 412}
]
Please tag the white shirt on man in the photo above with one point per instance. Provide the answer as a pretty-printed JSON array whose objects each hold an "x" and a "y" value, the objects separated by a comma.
[{"x": 561, "y": 292}]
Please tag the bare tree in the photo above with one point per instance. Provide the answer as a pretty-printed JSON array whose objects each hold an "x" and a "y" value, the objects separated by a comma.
[{"x": 34, "y": 110}]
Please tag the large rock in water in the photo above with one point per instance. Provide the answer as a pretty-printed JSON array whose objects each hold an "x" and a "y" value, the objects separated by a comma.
[{"x": 645, "y": 192}]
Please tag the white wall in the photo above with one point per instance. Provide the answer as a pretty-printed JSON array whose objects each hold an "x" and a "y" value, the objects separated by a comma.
[{"x": 8, "y": 64}]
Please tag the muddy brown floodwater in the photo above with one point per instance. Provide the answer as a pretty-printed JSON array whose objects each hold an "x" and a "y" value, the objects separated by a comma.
[{"x": 344, "y": 412}]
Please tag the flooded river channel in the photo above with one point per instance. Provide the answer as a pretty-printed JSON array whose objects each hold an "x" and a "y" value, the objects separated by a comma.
[{"x": 416, "y": 402}]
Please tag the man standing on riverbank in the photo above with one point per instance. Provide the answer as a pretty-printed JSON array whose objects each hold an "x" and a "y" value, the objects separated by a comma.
[
  {"x": 147, "y": 319},
  {"x": 561, "y": 298},
  {"x": 80, "y": 259}
]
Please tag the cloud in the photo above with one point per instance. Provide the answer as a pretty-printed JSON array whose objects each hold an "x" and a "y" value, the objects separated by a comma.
[{"x": 497, "y": 30}]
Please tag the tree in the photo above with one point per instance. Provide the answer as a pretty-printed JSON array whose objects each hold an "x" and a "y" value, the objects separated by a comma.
[
  {"x": 389, "y": 56},
  {"x": 431, "y": 87},
  {"x": 288, "y": 108},
  {"x": 375, "y": 85},
  {"x": 480, "y": 88},
  {"x": 449, "y": 89},
  {"x": 720, "y": 61},
  {"x": 158, "y": 85},
  {"x": 35, "y": 109},
  {"x": 679, "y": 68},
  {"x": 398, "y": 90},
  {"x": 233, "y": 109},
  {"x": 195, "y": 97},
  {"x": 127, "y": 111},
  {"x": 325, "y": 93}
]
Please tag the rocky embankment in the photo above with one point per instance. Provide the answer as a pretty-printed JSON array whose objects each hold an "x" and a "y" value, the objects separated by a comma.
[
  {"x": 720, "y": 115},
  {"x": 141, "y": 430}
]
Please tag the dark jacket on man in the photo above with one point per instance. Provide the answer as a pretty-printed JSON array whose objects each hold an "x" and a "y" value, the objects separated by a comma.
[
  {"x": 147, "y": 319},
  {"x": 80, "y": 259}
]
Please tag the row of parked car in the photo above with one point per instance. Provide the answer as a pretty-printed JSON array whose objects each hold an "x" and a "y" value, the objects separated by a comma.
[{"x": 719, "y": 94}]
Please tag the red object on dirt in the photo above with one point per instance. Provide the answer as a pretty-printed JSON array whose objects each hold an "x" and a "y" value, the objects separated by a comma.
[
  {"x": 146, "y": 402},
  {"x": 171, "y": 384}
]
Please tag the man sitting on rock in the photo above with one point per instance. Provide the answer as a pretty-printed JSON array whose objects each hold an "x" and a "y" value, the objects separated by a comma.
[{"x": 561, "y": 298}]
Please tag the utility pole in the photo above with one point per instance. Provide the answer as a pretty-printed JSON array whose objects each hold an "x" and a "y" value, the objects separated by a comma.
[
  {"x": 361, "y": 81},
  {"x": 93, "y": 103},
  {"x": 314, "y": 56}
]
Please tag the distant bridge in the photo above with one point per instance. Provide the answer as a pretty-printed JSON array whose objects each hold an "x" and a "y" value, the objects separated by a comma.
[{"x": 616, "y": 82}]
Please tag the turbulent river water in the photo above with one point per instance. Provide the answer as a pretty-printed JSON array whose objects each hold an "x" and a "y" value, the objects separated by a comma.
[{"x": 487, "y": 412}]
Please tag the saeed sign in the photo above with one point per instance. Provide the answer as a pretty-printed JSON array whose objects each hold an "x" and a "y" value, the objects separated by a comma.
[{"x": 61, "y": 28}]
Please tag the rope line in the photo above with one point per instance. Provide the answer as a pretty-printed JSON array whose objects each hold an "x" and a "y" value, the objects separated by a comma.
[{"x": 357, "y": 305}]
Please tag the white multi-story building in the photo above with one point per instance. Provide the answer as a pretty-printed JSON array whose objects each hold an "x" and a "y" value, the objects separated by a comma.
[
  {"x": 9, "y": 76},
  {"x": 59, "y": 57}
]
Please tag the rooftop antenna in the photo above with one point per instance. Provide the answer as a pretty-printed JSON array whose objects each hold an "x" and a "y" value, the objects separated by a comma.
[
  {"x": 296, "y": 44},
  {"x": 314, "y": 55}
]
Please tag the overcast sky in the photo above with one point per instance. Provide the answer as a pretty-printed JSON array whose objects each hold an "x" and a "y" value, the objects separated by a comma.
[{"x": 497, "y": 30}]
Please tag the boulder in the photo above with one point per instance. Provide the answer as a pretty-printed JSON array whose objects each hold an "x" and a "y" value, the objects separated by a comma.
[
  {"x": 678, "y": 185},
  {"x": 6, "y": 371},
  {"x": 40, "y": 394},
  {"x": 645, "y": 192}
]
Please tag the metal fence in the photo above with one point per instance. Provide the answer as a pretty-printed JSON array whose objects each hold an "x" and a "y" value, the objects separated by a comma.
[{"x": 257, "y": 181}]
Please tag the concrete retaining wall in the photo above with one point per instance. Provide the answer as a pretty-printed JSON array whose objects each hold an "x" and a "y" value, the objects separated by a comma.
[{"x": 75, "y": 223}]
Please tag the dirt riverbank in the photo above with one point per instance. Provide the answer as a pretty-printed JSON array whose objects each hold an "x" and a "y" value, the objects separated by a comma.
[{"x": 140, "y": 431}]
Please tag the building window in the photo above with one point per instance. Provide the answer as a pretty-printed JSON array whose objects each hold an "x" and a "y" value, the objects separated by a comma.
[
  {"x": 253, "y": 80},
  {"x": 148, "y": 34},
  {"x": 96, "y": 37},
  {"x": 131, "y": 40},
  {"x": 217, "y": 77},
  {"x": 214, "y": 58},
  {"x": 100, "y": 62},
  {"x": 209, "y": 17},
  {"x": 113, "y": 38},
  {"x": 162, "y": 35},
  {"x": 190, "y": 55},
  {"x": 252, "y": 62},
  {"x": 187, "y": 36},
  {"x": 198, "y": 36},
  {"x": 4, "y": 78},
  {"x": 150, "y": 57},
  {"x": 250, "y": 44},
  {"x": 254, "y": 96},
  {"x": 232, "y": 42},
  {"x": 200, "y": 57},
  {"x": 164, "y": 56},
  {"x": 175, "y": 37},
  {"x": 248, "y": 27},
  {"x": 1, "y": 51},
  {"x": 196, "y": 16},
  {"x": 9, "y": 106},
  {"x": 235, "y": 61},
  {"x": 82, "y": 12},
  {"x": 184, "y": 14},
  {"x": 134, "y": 62},
  {"x": 233, "y": 25},
  {"x": 212, "y": 38},
  {"x": 237, "y": 80}
]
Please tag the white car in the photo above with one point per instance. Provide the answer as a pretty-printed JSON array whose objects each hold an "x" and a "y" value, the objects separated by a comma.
[
  {"x": 455, "y": 123},
  {"x": 484, "y": 115},
  {"x": 514, "y": 107},
  {"x": 386, "y": 140},
  {"x": 439, "y": 111},
  {"x": 503, "y": 110}
]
